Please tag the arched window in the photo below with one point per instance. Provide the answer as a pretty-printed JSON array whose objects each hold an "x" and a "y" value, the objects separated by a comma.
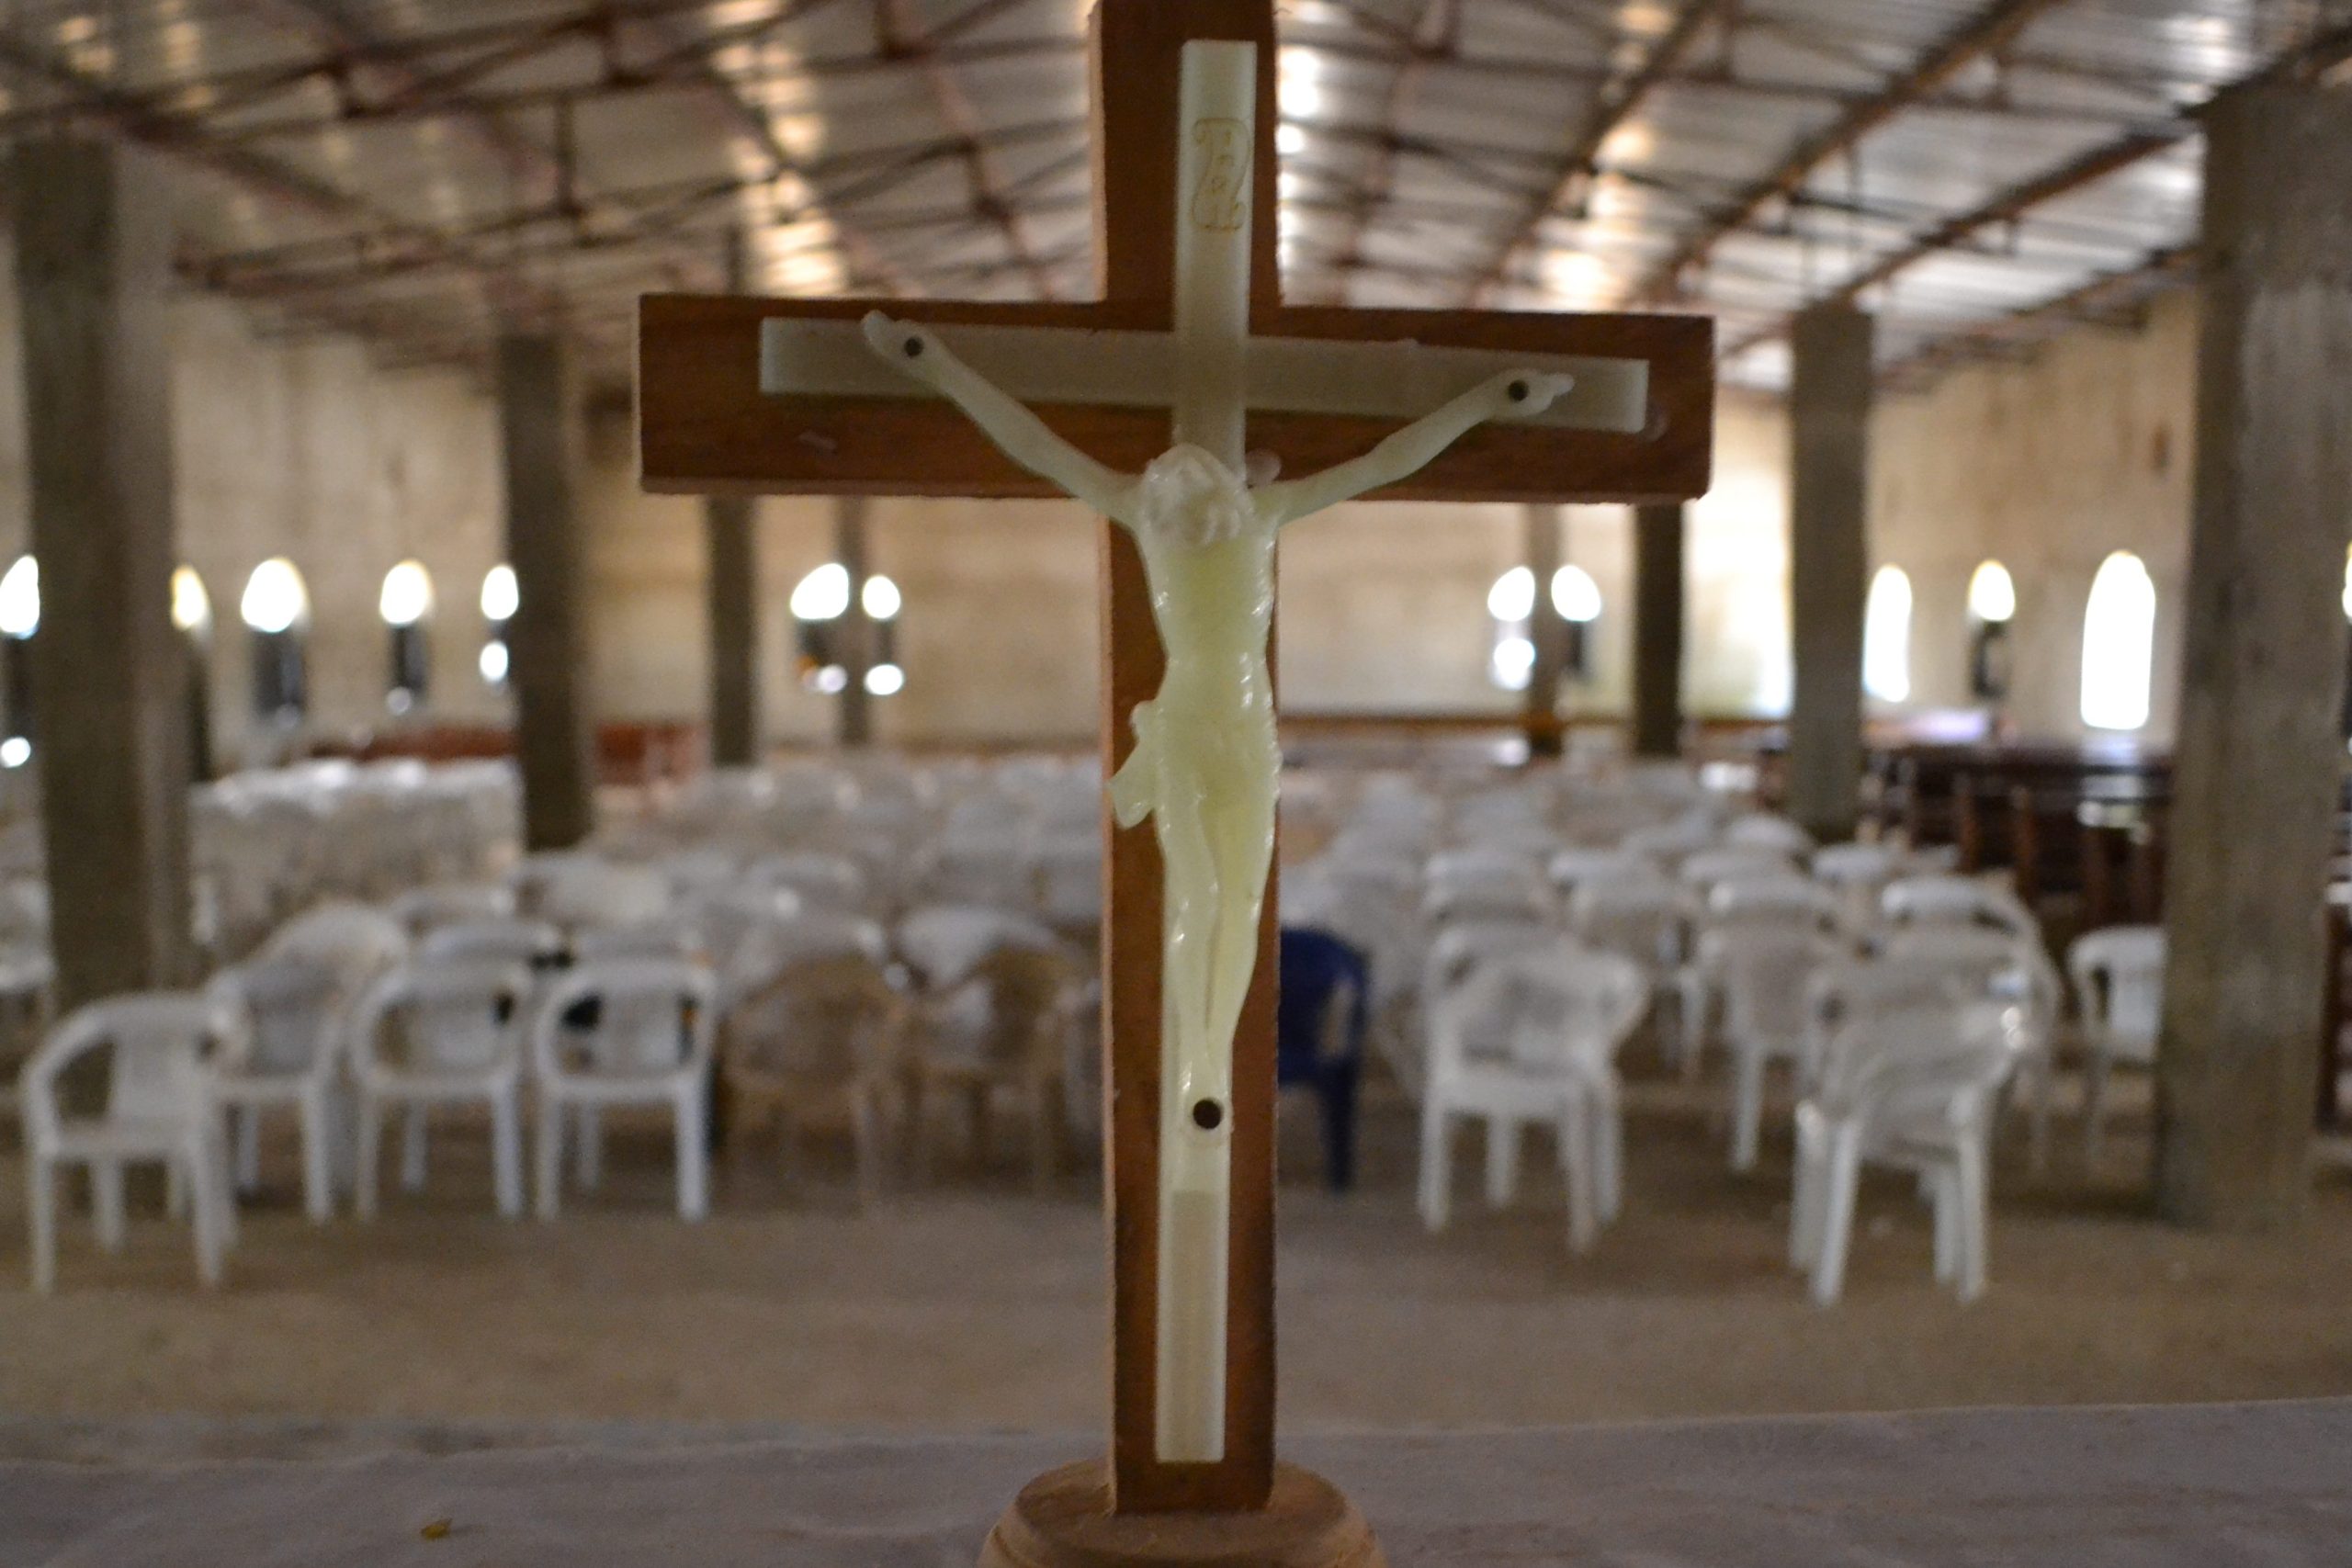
[
  {"x": 2118, "y": 644},
  {"x": 1992, "y": 605},
  {"x": 822, "y": 631},
  {"x": 1511, "y": 606},
  {"x": 881, "y": 600},
  {"x": 19, "y": 618},
  {"x": 192, "y": 617},
  {"x": 501, "y": 597},
  {"x": 1577, "y": 597},
  {"x": 1887, "y": 636},
  {"x": 406, "y": 604},
  {"x": 277, "y": 608}
]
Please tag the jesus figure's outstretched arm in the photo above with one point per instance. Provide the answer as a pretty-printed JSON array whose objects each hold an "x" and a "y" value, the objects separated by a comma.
[
  {"x": 1516, "y": 394},
  {"x": 1019, "y": 434}
]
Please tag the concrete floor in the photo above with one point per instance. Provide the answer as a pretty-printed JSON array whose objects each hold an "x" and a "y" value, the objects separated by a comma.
[{"x": 976, "y": 1305}]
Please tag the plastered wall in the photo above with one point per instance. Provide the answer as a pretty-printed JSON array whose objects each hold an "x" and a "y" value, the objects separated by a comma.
[
  {"x": 2047, "y": 467},
  {"x": 306, "y": 448}
]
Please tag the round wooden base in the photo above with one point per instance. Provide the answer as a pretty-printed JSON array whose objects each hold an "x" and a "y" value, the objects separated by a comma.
[{"x": 1063, "y": 1519}]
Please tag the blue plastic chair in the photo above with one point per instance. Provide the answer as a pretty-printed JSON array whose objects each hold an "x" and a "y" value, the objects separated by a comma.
[{"x": 1318, "y": 972}]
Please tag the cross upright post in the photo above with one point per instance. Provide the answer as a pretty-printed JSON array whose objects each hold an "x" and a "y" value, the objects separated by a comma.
[{"x": 787, "y": 395}]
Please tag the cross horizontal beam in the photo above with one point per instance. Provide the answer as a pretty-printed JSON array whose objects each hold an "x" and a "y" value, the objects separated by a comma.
[{"x": 706, "y": 426}]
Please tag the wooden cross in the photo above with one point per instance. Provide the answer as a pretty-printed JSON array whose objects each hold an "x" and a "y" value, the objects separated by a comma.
[{"x": 707, "y": 426}]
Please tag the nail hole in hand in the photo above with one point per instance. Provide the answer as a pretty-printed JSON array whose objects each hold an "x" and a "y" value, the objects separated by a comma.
[
  {"x": 914, "y": 348},
  {"x": 1207, "y": 1115},
  {"x": 1520, "y": 391}
]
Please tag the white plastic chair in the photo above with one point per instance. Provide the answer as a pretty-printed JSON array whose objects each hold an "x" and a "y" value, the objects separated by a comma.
[
  {"x": 1858, "y": 874},
  {"x": 295, "y": 1005},
  {"x": 1532, "y": 1037},
  {"x": 1764, "y": 968},
  {"x": 459, "y": 1022},
  {"x": 591, "y": 891},
  {"x": 1763, "y": 830},
  {"x": 2003, "y": 965},
  {"x": 1956, "y": 901},
  {"x": 656, "y": 1022},
  {"x": 359, "y": 941},
  {"x": 943, "y": 943},
  {"x": 1916, "y": 1090},
  {"x": 2118, "y": 979},
  {"x": 162, "y": 1050},
  {"x": 1571, "y": 869},
  {"x": 1708, "y": 867},
  {"x": 511, "y": 941},
  {"x": 422, "y": 908}
]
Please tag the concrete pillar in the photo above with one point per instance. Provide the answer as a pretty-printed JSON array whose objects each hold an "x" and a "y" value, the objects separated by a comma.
[
  {"x": 1657, "y": 630},
  {"x": 853, "y": 715},
  {"x": 548, "y": 641},
  {"x": 731, "y": 556},
  {"x": 1547, "y": 630},
  {"x": 2259, "y": 762},
  {"x": 94, "y": 271},
  {"x": 1830, "y": 414}
]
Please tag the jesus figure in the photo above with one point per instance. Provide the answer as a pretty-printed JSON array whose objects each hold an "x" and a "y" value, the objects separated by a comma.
[{"x": 1206, "y": 764}]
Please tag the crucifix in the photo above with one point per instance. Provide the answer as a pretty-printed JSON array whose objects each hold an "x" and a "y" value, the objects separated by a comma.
[{"x": 838, "y": 397}]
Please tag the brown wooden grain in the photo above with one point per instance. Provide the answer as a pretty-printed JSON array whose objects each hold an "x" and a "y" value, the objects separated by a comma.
[
  {"x": 705, "y": 427},
  {"x": 1063, "y": 1519}
]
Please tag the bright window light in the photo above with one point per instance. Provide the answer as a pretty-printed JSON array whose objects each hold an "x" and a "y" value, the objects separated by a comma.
[
  {"x": 15, "y": 752},
  {"x": 1301, "y": 83},
  {"x": 886, "y": 680},
  {"x": 1887, "y": 636},
  {"x": 880, "y": 597},
  {"x": 500, "y": 594},
  {"x": 495, "y": 662},
  {"x": 2348, "y": 586},
  {"x": 275, "y": 599},
  {"x": 1993, "y": 594},
  {"x": 2118, "y": 644},
  {"x": 1512, "y": 598},
  {"x": 1513, "y": 665},
  {"x": 1575, "y": 595},
  {"x": 191, "y": 606},
  {"x": 21, "y": 598},
  {"x": 823, "y": 594},
  {"x": 831, "y": 679},
  {"x": 407, "y": 596},
  {"x": 1290, "y": 140}
]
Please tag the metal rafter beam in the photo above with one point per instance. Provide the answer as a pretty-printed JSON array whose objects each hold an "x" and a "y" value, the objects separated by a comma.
[
  {"x": 2321, "y": 52},
  {"x": 1435, "y": 33},
  {"x": 900, "y": 34},
  {"x": 1611, "y": 107},
  {"x": 1988, "y": 32},
  {"x": 2085, "y": 301}
]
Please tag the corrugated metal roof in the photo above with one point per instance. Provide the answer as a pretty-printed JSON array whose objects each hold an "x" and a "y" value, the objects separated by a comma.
[{"x": 422, "y": 170}]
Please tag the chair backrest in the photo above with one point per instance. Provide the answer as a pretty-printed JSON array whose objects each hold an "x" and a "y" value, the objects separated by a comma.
[
  {"x": 593, "y": 891},
  {"x": 1025, "y": 997},
  {"x": 653, "y": 938},
  {"x": 438, "y": 1015},
  {"x": 823, "y": 881},
  {"x": 1456, "y": 951},
  {"x": 359, "y": 941},
  {"x": 1845, "y": 865},
  {"x": 824, "y": 1021},
  {"x": 1992, "y": 963},
  {"x": 422, "y": 908},
  {"x": 1765, "y": 968},
  {"x": 1708, "y": 867},
  {"x": 1954, "y": 900},
  {"x": 295, "y": 1004},
  {"x": 162, "y": 1047},
  {"x": 509, "y": 940},
  {"x": 1571, "y": 869},
  {"x": 1774, "y": 898},
  {"x": 1645, "y": 917},
  {"x": 1571, "y": 1009},
  {"x": 1325, "y": 1000},
  {"x": 1939, "y": 1064},
  {"x": 1763, "y": 830},
  {"x": 2119, "y": 977},
  {"x": 651, "y": 1017},
  {"x": 944, "y": 942}
]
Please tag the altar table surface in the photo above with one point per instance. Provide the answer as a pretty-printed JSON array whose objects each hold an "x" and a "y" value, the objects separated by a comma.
[{"x": 2209, "y": 1486}]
